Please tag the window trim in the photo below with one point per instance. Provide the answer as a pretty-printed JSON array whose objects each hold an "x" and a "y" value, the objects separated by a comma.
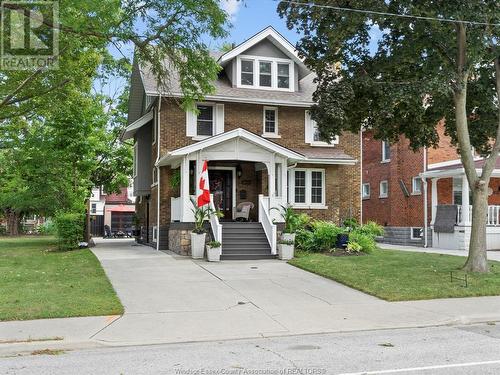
[
  {"x": 367, "y": 196},
  {"x": 416, "y": 238},
  {"x": 270, "y": 74},
  {"x": 413, "y": 191},
  {"x": 155, "y": 234},
  {"x": 93, "y": 208},
  {"x": 308, "y": 186},
  {"x": 134, "y": 166},
  {"x": 274, "y": 134},
  {"x": 155, "y": 177},
  {"x": 274, "y": 72},
  {"x": 384, "y": 156},
  {"x": 386, "y": 195},
  {"x": 240, "y": 72}
]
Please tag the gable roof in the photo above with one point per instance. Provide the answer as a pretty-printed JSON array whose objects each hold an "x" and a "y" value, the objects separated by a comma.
[{"x": 273, "y": 36}]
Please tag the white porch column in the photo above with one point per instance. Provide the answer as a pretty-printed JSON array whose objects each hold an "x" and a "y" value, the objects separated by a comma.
[
  {"x": 434, "y": 198},
  {"x": 284, "y": 182},
  {"x": 465, "y": 201},
  {"x": 184, "y": 188}
]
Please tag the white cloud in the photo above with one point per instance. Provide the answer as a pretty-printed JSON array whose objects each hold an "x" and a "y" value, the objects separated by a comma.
[{"x": 231, "y": 7}]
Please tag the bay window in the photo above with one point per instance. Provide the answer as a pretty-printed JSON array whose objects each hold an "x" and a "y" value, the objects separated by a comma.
[{"x": 307, "y": 188}]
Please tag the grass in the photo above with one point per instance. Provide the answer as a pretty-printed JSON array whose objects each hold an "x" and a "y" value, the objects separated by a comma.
[
  {"x": 36, "y": 281},
  {"x": 401, "y": 275}
]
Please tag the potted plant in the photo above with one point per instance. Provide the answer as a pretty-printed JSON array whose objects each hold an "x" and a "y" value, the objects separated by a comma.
[
  {"x": 214, "y": 251},
  {"x": 285, "y": 249},
  {"x": 291, "y": 219},
  {"x": 198, "y": 235}
]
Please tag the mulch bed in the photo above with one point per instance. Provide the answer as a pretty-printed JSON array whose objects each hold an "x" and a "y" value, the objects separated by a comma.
[{"x": 343, "y": 253}]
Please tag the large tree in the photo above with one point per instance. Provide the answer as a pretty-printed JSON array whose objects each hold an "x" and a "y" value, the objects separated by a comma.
[{"x": 433, "y": 60}]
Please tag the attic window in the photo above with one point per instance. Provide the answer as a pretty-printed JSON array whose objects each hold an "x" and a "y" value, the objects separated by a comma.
[
  {"x": 265, "y": 73},
  {"x": 247, "y": 72},
  {"x": 283, "y": 76}
]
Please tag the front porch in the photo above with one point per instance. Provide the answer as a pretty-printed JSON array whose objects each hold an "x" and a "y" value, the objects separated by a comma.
[{"x": 449, "y": 186}]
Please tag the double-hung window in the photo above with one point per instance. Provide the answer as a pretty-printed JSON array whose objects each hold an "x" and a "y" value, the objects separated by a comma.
[
  {"x": 366, "y": 191},
  {"x": 283, "y": 76},
  {"x": 384, "y": 189},
  {"x": 307, "y": 188},
  {"x": 270, "y": 121},
  {"x": 93, "y": 208},
  {"x": 313, "y": 136},
  {"x": 205, "y": 120},
  {"x": 386, "y": 151},
  {"x": 265, "y": 74},
  {"x": 247, "y": 72},
  {"x": 416, "y": 186}
]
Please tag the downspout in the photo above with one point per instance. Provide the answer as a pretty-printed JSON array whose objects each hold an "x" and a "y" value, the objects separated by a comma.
[
  {"x": 158, "y": 127},
  {"x": 424, "y": 185}
]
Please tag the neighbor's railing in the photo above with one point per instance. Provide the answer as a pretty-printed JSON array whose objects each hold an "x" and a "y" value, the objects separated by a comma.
[
  {"x": 493, "y": 215},
  {"x": 267, "y": 224},
  {"x": 214, "y": 221}
]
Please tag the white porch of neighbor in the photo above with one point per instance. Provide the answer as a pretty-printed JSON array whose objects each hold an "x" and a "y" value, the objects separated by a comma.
[
  {"x": 460, "y": 238},
  {"x": 237, "y": 145}
]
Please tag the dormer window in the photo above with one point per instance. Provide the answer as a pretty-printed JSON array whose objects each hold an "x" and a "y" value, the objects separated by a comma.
[
  {"x": 265, "y": 77},
  {"x": 247, "y": 72},
  {"x": 283, "y": 76},
  {"x": 265, "y": 73}
]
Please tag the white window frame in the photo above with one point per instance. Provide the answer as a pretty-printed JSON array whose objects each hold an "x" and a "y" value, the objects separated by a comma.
[
  {"x": 134, "y": 168},
  {"x": 308, "y": 201},
  {"x": 278, "y": 180},
  {"x": 214, "y": 118},
  {"x": 93, "y": 208},
  {"x": 413, "y": 185},
  {"x": 366, "y": 196},
  {"x": 155, "y": 176},
  {"x": 411, "y": 233},
  {"x": 270, "y": 74},
  {"x": 274, "y": 72},
  {"x": 386, "y": 195},
  {"x": 310, "y": 130},
  {"x": 155, "y": 233},
  {"x": 274, "y": 134},
  {"x": 385, "y": 159}
]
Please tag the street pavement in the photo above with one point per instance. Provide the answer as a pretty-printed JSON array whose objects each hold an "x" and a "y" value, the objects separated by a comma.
[
  {"x": 172, "y": 299},
  {"x": 473, "y": 349}
]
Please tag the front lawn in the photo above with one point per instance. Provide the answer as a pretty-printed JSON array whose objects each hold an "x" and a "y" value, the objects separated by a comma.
[
  {"x": 36, "y": 281},
  {"x": 401, "y": 275}
]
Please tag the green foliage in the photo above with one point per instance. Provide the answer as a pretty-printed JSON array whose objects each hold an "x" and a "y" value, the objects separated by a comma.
[
  {"x": 321, "y": 236},
  {"x": 351, "y": 223},
  {"x": 293, "y": 220},
  {"x": 202, "y": 214},
  {"x": 214, "y": 244},
  {"x": 286, "y": 242},
  {"x": 3, "y": 230},
  {"x": 365, "y": 241},
  {"x": 175, "y": 179},
  {"x": 354, "y": 247},
  {"x": 372, "y": 229},
  {"x": 47, "y": 228},
  {"x": 69, "y": 229}
]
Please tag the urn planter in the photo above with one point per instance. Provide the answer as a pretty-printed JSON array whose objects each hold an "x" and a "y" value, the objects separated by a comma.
[{"x": 198, "y": 245}]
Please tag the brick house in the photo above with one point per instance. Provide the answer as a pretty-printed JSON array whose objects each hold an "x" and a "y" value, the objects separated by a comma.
[
  {"x": 261, "y": 145},
  {"x": 402, "y": 189}
]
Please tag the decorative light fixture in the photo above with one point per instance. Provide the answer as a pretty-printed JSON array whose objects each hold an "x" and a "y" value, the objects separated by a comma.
[{"x": 239, "y": 171}]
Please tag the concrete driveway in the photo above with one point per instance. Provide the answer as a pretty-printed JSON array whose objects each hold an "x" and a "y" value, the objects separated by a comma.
[{"x": 175, "y": 299}]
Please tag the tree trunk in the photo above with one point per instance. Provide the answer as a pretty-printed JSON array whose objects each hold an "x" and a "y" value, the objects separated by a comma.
[
  {"x": 477, "y": 259},
  {"x": 12, "y": 223}
]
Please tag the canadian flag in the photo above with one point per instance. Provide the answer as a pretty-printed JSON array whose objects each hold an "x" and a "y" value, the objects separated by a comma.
[{"x": 204, "y": 195}]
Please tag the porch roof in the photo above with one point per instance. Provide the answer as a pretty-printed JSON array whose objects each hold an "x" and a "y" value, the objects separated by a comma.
[
  {"x": 457, "y": 169},
  {"x": 295, "y": 156}
]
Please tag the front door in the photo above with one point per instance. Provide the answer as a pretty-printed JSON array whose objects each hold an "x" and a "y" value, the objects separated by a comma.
[{"x": 221, "y": 186}]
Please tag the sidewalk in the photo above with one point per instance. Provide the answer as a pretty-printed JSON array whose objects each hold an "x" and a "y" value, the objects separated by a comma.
[
  {"x": 171, "y": 299},
  {"x": 492, "y": 255}
]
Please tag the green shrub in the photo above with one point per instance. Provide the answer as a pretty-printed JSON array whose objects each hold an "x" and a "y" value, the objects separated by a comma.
[
  {"x": 214, "y": 244},
  {"x": 366, "y": 241},
  {"x": 69, "y": 229},
  {"x": 354, "y": 247},
  {"x": 325, "y": 235},
  {"x": 3, "y": 230},
  {"x": 304, "y": 240},
  {"x": 371, "y": 228},
  {"x": 351, "y": 223},
  {"x": 47, "y": 228}
]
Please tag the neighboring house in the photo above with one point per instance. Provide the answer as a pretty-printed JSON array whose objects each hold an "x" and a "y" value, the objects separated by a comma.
[
  {"x": 394, "y": 193},
  {"x": 116, "y": 210},
  {"x": 260, "y": 143}
]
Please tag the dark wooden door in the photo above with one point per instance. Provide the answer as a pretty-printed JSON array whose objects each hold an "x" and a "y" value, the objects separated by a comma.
[{"x": 221, "y": 186}]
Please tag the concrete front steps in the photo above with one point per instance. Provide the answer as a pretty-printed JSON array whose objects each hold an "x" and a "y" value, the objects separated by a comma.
[{"x": 244, "y": 241}]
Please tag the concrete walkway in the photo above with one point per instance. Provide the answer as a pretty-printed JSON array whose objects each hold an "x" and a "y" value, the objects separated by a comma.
[
  {"x": 175, "y": 299},
  {"x": 492, "y": 254}
]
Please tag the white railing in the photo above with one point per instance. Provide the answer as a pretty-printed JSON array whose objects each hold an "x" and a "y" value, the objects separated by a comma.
[
  {"x": 267, "y": 224},
  {"x": 493, "y": 215},
  {"x": 176, "y": 209},
  {"x": 214, "y": 221}
]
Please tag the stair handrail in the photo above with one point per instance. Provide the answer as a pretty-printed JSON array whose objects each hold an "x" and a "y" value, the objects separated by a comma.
[
  {"x": 214, "y": 221},
  {"x": 267, "y": 224}
]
